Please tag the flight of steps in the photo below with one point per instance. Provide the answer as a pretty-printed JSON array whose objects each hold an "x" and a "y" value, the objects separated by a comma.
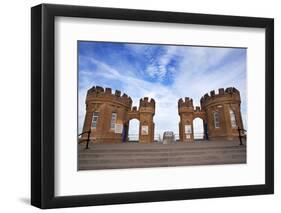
[{"x": 134, "y": 155}]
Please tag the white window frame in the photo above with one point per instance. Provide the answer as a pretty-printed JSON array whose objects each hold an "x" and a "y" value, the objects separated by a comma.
[
  {"x": 217, "y": 119},
  {"x": 95, "y": 120},
  {"x": 233, "y": 120},
  {"x": 113, "y": 120}
]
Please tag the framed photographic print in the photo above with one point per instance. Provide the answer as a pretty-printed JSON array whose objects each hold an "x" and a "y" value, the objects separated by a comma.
[{"x": 139, "y": 106}]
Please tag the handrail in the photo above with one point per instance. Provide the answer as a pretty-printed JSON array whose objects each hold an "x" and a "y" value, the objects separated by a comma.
[
  {"x": 84, "y": 132},
  {"x": 88, "y": 138},
  {"x": 240, "y": 136}
]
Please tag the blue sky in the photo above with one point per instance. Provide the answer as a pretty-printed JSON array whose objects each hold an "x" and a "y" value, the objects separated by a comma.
[{"x": 163, "y": 72}]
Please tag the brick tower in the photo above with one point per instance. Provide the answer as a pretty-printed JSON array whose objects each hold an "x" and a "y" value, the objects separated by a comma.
[
  {"x": 146, "y": 113},
  {"x": 105, "y": 115},
  {"x": 223, "y": 113}
]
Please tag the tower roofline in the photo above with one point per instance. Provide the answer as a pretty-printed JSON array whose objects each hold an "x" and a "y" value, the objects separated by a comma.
[
  {"x": 230, "y": 93},
  {"x": 99, "y": 92}
]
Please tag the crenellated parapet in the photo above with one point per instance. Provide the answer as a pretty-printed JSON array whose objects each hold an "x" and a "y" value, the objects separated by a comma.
[
  {"x": 228, "y": 95},
  {"x": 133, "y": 113},
  {"x": 187, "y": 102},
  {"x": 134, "y": 109},
  {"x": 185, "y": 105},
  {"x": 145, "y": 102},
  {"x": 99, "y": 94},
  {"x": 147, "y": 105},
  {"x": 197, "y": 109}
]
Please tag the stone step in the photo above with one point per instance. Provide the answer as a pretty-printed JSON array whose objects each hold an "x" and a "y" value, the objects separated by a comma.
[
  {"x": 118, "y": 156},
  {"x": 93, "y": 149},
  {"x": 161, "y": 164},
  {"x": 151, "y": 145},
  {"x": 157, "y": 160},
  {"x": 157, "y": 151},
  {"x": 156, "y": 154}
]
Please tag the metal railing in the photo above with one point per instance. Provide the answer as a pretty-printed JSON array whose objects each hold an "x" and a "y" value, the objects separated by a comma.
[
  {"x": 242, "y": 134},
  {"x": 135, "y": 138},
  {"x": 198, "y": 136},
  {"x": 88, "y": 138},
  {"x": 157, "y": 138}
]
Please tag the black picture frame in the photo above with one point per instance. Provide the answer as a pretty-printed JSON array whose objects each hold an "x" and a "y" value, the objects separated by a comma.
[{"x": 43, "y": 105}]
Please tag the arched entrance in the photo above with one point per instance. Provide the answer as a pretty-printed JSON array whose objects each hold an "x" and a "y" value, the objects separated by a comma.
[
  {"x": 198, "y": 129},
  {"x": 133, "y": 135},
  {"x": 192, "y": 125},
  {"x": 145, "y": 125}
]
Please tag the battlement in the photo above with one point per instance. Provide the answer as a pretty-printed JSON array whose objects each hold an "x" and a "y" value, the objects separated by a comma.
[
  {"x": 187, "y": 102},
  {"x": 145, "y": 102},
  {"x": 100, "y": 92},
  {"x": 197, "y": 109},
  {"x": 134, "y": 109},
  {"x": 229, "y": 93}
]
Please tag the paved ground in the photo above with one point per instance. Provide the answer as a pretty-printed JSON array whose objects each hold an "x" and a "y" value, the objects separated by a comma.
[{"x": 134, "y": 155}]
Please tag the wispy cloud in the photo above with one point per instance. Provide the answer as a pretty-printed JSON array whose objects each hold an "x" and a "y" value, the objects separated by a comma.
[{"x": 163, "y": 72}]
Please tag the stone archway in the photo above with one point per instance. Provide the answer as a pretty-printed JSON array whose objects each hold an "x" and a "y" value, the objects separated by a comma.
[
  {"x": 198, "y": 128},
  {"x": 145, "y": 115},
  {"x": 133, "y": 130},
  {"x": 187, "y": 114}
]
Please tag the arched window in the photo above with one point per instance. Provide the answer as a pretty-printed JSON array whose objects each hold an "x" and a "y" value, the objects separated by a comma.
[
  {"x": 95, "y": 120},
  {"x": 232, "y": 118},
  {"x": 217, "y": 119}
]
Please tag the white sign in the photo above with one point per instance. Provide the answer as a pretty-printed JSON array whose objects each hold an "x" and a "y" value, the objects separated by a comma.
[
  {"x": 118, "y": 128},
  {"x": 187, "y": 136},
  {"x": 144, "y": 130},
  {"x": 187, "y": 129}
]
